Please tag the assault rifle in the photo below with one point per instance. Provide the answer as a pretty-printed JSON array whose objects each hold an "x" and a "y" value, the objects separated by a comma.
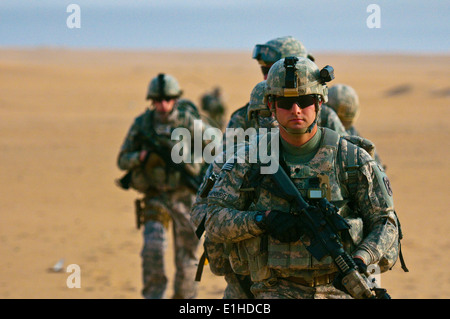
[
  {"x": 151, "y": 144},
  {"x": 324, "y": 224}
]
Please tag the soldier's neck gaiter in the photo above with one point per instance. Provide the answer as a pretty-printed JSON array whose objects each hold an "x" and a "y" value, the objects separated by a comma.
[{"x": 301, "y": 154}]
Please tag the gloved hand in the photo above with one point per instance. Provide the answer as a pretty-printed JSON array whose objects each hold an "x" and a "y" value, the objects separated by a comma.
[
  {"x": 362, "y": 267},
  {"x": 337, "y": 282},
  {"x": 283, "y": 226}
]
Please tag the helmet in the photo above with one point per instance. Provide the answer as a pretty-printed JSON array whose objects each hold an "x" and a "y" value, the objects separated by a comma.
[
  {"x": 163, "y": 86},
  {"x": 297, "y": 76},
  {"x": 345, "y": 102},
  {"x": 256, "y": 105},
  {"x": 278, "y": 48}
]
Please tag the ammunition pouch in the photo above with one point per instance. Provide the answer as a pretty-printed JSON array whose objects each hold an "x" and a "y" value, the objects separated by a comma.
[
  {"x": 218, "y": 260},
  {"x": 147, "y": 210}
]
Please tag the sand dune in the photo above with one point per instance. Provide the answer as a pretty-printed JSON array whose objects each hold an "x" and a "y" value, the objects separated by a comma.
[{"x": 65, "y": 113}]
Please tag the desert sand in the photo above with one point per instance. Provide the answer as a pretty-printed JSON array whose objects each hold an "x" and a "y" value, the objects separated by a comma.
[{"x": 64, "y": 115}]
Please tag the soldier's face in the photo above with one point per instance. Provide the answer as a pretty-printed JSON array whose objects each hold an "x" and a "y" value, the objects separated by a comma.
[
  {"x": 164, "y": 106},
  {"x": 296, "y": 117}
]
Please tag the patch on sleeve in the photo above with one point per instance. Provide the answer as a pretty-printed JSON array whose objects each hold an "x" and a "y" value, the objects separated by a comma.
[
  {"x": 387, "y": 184},
  {"x": 219, "y": 195}
]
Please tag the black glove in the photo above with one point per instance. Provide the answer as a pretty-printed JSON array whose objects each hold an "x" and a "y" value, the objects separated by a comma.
[
  {"x": 283, "y": 226},
  {"x": 362, "y": 267}
]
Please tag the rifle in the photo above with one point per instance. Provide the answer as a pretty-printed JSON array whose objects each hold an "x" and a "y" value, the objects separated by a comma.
[
  {"x": 324, "y": 224},
  {"x": 153, "y": 146}
]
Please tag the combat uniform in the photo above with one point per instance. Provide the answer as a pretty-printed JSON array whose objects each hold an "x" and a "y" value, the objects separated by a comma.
[
  {"x": 238, "y": 286},
  {"x": 343, "y": 172},
  {"x": 213, "y": 105},
  {"x": 344, "y": 101},
  {"x": 167, "y": 197},
  {"x": 287, "y": 270}
]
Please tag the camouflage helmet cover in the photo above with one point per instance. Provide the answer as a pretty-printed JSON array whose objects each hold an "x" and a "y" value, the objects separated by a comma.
[
  {"x": 344, "y": 100},
  {"x": 307, "y": 79},
  {"x": 163, "y": 85},
  {"x": 279, "y": 48},
  {"x": 256, "y": 104}
]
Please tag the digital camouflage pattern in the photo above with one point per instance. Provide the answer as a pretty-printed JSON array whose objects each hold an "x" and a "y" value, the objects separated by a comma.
[
  {"x": 175, "y": 207},
  {"x": 232, "y": 208},
  {"x": 163, "y": 85},
  {"x": 307, "y": 81},
  {"x": 212, "y": 103},
  {"x": 256, "y": 105},
  {"x": 154, "y": 175},
  {"x": 328, "y": 118},
  {"x": 285, "y": 289},
  {"x": 288, "y": 46},
  {"x": 166, "y": 199},
  {"x": 345, "y": 102},
  {"x": 218, "y": 261},
  {"x": 307, "y": 77}
]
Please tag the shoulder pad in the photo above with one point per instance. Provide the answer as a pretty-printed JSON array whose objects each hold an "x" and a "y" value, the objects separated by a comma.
[{"x": 362, "y": 142}]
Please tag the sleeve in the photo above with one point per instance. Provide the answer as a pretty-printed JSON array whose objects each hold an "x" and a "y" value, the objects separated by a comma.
[
  {"x": 196, "y": 127},
  {"x": 227, "y": 219},
  {"x": 129, "y": 151},
  {"x": 238, "y": 118},
  {"x": 375, "y": 203}
]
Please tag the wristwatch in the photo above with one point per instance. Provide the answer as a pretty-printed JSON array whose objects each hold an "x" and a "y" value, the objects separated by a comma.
[{"x": 260, "y": 220}]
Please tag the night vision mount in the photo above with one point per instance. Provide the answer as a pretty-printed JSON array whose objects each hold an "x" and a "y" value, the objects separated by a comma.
[
  {"x": 291, "y": 77},
  {"x": 327, "y": 74}
]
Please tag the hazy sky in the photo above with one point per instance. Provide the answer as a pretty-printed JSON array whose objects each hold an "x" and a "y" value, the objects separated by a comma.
[{"x": 405, "y": 26}]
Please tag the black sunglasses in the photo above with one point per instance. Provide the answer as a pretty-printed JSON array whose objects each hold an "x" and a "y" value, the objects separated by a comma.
[
  {"x": 302, "y": 101},
  {"x": 166, "y": 98}
]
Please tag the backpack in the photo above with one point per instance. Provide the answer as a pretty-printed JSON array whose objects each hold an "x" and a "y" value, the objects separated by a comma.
[{"x": 387, "y": 261}]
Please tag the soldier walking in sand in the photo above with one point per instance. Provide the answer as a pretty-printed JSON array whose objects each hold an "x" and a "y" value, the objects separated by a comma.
[
  {"x": 168, "y": 189},
  {"x": 269, "y": 239}
]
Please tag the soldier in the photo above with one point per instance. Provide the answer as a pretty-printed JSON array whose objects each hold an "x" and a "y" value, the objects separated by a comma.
[
  {"x": 344, "y": 100},
  {"x": 238, "y": 286},
  {"x": 266, "y": 55},
  {"x": 168, "y": 189},
  {"x": 212, "y": 103},
  {"x": 247, "y": 210}
]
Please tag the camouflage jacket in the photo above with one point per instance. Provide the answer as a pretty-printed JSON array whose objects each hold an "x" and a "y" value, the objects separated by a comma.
[
  {"x": 232, "y": 206},
  {"x": 155, "y": 174}
]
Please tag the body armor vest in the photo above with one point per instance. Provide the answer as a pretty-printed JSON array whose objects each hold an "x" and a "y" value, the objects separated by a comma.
[{"x": 316, "y": 179}]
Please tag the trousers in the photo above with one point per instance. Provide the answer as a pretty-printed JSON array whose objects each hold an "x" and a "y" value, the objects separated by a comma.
[{"x": 177, "y": 205}]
